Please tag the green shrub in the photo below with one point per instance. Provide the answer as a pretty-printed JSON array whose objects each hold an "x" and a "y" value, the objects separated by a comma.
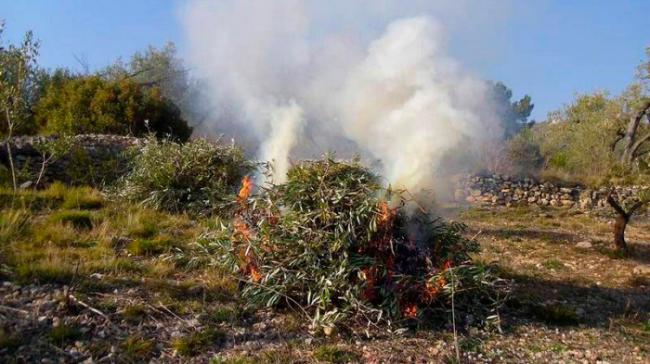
[
  {"x": 524, "y": 154},
  {"x": 93, "y": 105},
  {"x": 197, "y": 177},
  {"x": 327, "y": 241}
]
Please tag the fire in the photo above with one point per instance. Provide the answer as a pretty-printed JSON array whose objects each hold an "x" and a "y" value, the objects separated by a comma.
[
  {"x": 386, "y": 214},
  {"x": 411, "y": 311},
  {"x": 241, "y": 229},
  {"x": 246, "y": 188},
  {"x": 432, "y": 289},
  {"x": 256, "y": 276}
]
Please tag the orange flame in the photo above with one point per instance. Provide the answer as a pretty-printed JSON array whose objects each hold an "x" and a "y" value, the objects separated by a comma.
[
  {"x": 386, "y": 214},
  {"x": 246, "y": 188},
  {"x": 256, "y": 276},
  {"x": 241, "y": 229},
  {"x": 411, "y": 311}
]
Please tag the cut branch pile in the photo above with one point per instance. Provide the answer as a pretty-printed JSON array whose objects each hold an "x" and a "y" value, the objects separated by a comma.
[{"x": 336, "y": 245}]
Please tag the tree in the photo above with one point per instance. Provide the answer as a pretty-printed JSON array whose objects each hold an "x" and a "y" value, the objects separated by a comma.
[
  {"x": 572, "y": 141},
  {"x": 623, "y": 218},
  {"x": 17, "y": 69},
  {"x": 91, "y": 104},
  {"x": 514, "y": 114},
  {"x": 636, "y": 116},
  {"x": 161, "y": 68}
]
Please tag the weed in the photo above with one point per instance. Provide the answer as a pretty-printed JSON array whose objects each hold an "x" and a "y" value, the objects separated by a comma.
[
  {"x": 10, "y": 342},
  {"x": 556, "y": 314},
  {"x": 234, "y": 360},
  {"x": 13, "y": 224},
  {"x": 63, "y": 334},
  {"x": 137, "y": 348},
  {"x": 81, "y": 220},
  {"x": 335, "y": 354},
  {"x": 61, "y": 235},
  {"x": 223, "y": 314},
  {"x": 553, "y": 264},
  {"x": 558, "y": 348},
  {"x": 82, "y": 198},
  {"x": 639, "y": 281},
  {"x": 134, "y": 313},
  {"x": 194, "y": 343},
  {"x": 27, "y": 273},
  {"x": 470, "y": 344},
  {"x": 158, "y": 245}
]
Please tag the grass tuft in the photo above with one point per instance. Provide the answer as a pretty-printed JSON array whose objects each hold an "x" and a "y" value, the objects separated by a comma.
[
  {"x": 64, "y": 334},
  {"x": 335, "y": 354},
  {"x": 155, "y": 246},
  {"x": 556, "y": 314},
  {"x": 134, "y": 313},
  {"x": 137, "y": 349},
  {"x": 10, "y": 342},
  {"x": 194, "y": 343},
  {"x": 80, "y": 220}
]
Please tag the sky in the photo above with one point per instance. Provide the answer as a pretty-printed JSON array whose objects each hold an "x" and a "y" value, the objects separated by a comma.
[{"x": 550, "y": 50}]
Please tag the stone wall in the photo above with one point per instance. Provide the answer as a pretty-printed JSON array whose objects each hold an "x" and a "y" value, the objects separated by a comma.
[
  {"x": 505, "y": 191},
  {"x": 93, "y": 159}
]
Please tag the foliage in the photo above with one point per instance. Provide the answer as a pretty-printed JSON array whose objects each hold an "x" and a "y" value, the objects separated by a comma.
[
  {"x": 327, "y": 243},
  {"x": 91, "y": 104},
  {"x": 335, "y": 354},
  {"x": 194, "y": 343},
  {"x": 198, "y": 177},
  {"x": 18, "y": 85},
  {"x": 524, "y": 153},
  {"x": 513, "y": 114}
]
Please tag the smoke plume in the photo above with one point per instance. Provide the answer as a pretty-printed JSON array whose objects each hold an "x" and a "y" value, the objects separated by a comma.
[{"x": 292, "y": 86}]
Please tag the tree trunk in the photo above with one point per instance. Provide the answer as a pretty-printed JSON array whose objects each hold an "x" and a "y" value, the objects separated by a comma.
[
  {"x": 622, "y": 218},
  {"x": 619, "y": 233},
  {"x": 631, "y": 134}
]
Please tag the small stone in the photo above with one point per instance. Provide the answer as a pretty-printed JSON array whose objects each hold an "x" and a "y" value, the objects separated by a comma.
[
  {"x": 643, "y": 270},
  {"x": 586, "y": 244}
]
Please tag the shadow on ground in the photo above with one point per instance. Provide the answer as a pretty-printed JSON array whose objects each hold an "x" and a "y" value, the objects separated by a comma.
[{"x": 566, "y": 303}]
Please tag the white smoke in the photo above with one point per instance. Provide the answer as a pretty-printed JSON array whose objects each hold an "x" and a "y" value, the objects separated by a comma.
[
  {"x": 407, "y": 102},
  {"x": 286, "y": 128},
  {"x": 400, "y": 99}
]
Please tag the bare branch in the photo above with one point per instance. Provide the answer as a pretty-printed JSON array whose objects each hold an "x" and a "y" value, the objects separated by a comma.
[{"x": 615, "y": 205}]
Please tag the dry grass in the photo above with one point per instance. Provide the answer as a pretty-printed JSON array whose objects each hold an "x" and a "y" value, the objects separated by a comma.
[{"x": 566, "y": 301}]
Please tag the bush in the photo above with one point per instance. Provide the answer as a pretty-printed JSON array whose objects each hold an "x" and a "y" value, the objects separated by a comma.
[
  {"x": 93, "y": 105},
  {"x": 197, "y": 177},
  {"x": 328, "y": 243},
  {"x": 524, "y": 154}
]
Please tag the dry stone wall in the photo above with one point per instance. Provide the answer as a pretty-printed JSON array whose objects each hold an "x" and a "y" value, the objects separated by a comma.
[
  {"x": 93, "y": 159},
  {"x": 501, "y": 190}
]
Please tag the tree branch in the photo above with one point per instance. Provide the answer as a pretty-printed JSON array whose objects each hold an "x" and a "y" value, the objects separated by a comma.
[
  {"x": 637, "y": 145},
  {"x": 619, "y": 136},
  {"x": 615, "y": 205}
]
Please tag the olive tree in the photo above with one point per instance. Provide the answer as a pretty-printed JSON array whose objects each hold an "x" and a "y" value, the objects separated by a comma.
[{"x": 17, "y": 68}]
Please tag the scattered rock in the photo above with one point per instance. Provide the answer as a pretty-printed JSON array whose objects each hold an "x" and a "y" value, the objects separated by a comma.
[{"x": 585, "y": 244}]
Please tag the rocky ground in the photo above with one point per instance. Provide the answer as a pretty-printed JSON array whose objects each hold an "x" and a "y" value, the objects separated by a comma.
[{"x": 573, "y": 300}]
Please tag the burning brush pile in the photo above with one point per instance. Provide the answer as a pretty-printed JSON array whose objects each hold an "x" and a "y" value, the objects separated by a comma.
[{"x": 334, "y": 244}]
